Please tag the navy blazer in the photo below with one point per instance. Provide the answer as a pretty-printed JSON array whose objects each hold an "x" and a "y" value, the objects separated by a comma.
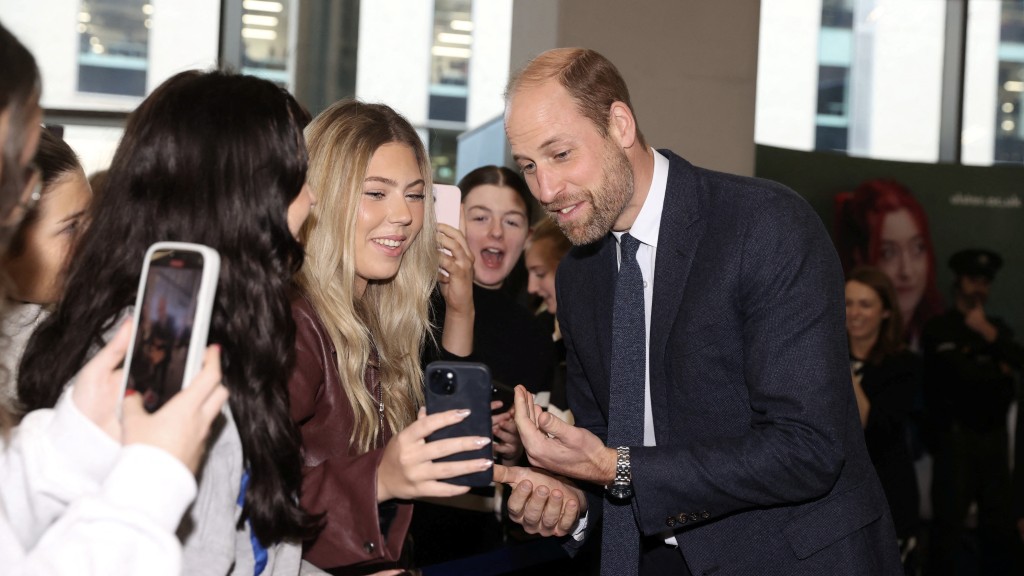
[{"x": 760, "y": 466}]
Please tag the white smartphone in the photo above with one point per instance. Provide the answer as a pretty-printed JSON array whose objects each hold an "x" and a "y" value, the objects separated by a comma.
[
  {"x": 447, "y": 204},
  {"x": 172, "y": 319}
]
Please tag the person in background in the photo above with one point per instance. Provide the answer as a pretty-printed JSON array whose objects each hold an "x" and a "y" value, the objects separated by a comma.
[
  {"x": 76, "y": 482},
  {"x": 970, "y": 362},
  {"x": 217, "y": 159},
  {"x": 545, "y": 249},
  {"x": 881, "y": 224},
  {"x": 361, "y": 309},
  {"x": 37, "y": 256},
  {"x": 886, "y": 380},
  {"x": 506, "y": 336},
  {"x": 508, "y": 339}
]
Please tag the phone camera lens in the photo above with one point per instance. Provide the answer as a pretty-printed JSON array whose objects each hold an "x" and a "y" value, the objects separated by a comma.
[{"x": 449, "y": 384}]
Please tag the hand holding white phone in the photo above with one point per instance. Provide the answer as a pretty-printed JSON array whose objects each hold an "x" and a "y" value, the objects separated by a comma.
[{"x": 171, "y": 320}]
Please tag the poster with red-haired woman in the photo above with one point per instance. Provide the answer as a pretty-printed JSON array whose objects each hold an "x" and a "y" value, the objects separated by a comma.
[{"x": 881, "y": 224}]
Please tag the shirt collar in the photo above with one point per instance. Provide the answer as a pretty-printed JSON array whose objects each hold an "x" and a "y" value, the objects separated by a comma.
[{"x": 647, "y": 225}]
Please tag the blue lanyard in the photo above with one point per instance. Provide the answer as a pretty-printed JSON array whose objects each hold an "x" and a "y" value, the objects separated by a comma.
[{"x": 259, "y": 553}]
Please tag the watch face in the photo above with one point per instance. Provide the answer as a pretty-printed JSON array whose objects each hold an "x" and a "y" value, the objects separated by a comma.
[{"x": 621, "y": 491}]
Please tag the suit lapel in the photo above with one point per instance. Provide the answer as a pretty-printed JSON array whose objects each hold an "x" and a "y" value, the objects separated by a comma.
[{"x": 682, "y": 227}]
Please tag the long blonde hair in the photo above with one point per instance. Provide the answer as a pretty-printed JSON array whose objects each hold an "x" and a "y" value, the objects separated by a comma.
[{"x": 392, "y": 315}]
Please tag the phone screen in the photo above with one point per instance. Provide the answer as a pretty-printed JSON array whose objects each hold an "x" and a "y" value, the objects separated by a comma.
[{"x": 169, "y": 303}]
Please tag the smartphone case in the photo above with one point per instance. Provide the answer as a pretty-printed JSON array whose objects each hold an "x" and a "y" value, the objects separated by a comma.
[
  {"x": 204, "y": 307},
  {"x": 469, "y": 388},
  {"x": 447, "y": 204}
]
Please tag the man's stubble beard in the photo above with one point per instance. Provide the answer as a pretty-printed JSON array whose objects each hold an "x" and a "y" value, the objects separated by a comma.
[{"x": 607, "y": 200}]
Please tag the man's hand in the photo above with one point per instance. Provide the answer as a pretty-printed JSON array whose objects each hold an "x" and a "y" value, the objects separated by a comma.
[
  {"x": 976, "y": 320},
  {"x": 555, "y": 445},
  {"x": 541, "y": 503}
]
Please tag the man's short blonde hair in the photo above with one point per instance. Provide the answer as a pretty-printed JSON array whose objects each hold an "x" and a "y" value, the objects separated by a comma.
[{"x": 592, "y": 81}]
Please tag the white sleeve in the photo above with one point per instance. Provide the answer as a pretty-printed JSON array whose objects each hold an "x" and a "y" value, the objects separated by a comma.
[
  {"x": 127, "y": 527},
  {"x": 52, "y": 459}
]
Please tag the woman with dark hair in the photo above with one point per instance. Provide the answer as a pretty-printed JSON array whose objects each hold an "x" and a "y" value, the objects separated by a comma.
[
  {"x": 216, "y": 159},
  {"x": 362, "y": 322},
  {"x": 36, "y": 257},
  {"x": 881, "y": 224},
  {"x": 506, "y": 336},
  {"x": 886, "y": 380},
  {"x": 75, "y": 481}
]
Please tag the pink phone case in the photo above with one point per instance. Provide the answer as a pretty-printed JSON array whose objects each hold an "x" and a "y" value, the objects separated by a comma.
[{"x": 447, "y": 204}]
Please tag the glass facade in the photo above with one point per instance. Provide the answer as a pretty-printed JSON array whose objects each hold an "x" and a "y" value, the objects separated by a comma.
[
  {"x": 1009, "y": 113},
  {"x": 894, "y": 79},
  {"x": 113, "y": 46},
  {"x": 265, "y": 40}
]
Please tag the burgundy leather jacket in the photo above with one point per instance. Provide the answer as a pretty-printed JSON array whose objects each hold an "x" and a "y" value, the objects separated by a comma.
[{"x": 336, "y": 480}]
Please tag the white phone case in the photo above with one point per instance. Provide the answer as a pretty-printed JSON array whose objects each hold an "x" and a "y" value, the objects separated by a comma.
[{"x": 190, "y": 318}]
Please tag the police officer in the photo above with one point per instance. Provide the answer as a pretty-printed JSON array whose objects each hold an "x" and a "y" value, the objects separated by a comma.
[{"x": 969, "y": 385}]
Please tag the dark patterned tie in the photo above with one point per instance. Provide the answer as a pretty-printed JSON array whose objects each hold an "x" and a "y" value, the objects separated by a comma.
[{"x": 620, "y": 543}]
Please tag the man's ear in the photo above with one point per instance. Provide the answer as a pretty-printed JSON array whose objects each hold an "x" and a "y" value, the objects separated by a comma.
[{"x": 621, "y": 124}]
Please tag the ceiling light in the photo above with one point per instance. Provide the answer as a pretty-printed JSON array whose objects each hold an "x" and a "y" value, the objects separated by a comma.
[
  {"x": 1008, "y": 125},
  {"x": 259, "y": 34},
  {"x": 448, "y": 38},
  {"x": 147, "y": 9},
  {"x": 1013, "y": 86},
  {"x": 257, "y": 20},
  {"x": 84, "y": 17},
  {"x": 450, "y": 52},
  {"x": 262, "y": 6},
  {"x": 462, "y": 25}
]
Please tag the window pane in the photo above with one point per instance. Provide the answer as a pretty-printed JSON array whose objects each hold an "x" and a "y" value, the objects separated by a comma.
[
  {"x": 108, "y": 54},
  {"x": 874, "y": 87},
  {"x": 113, "y": 46},
  {"x": 449, "y": 60},
  {"x": 993, "y": 131},
  {"x": 266, "y": 35}
]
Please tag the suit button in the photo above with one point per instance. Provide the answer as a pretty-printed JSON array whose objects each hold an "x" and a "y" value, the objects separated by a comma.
[
  {"x": 682, "y": 518},
  {"x": 694, "y": 517},
  {"x": 670, "y": 522},
  {"x": 369, "y": 547},
  {"x": 705, "y": 515}
]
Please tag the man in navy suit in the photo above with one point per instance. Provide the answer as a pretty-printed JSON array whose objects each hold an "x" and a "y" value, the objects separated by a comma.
[{"x": 753, "y": 459}]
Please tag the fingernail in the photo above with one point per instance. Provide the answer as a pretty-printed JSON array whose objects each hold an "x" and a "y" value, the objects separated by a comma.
[
  {"x": 486, "y": 463},
  {"x": 481, "y": 441},
  {"x": 128, "y": 392},
  {"x": 462, "y": 413}
]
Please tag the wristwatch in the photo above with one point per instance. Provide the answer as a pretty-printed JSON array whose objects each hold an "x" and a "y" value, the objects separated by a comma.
[{"x": 622, "y": 487}]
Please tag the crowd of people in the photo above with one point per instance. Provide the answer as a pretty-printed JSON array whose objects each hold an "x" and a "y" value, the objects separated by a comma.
[{"x": 689, "y": 396}]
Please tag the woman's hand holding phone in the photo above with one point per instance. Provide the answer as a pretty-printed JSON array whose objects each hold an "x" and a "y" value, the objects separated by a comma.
[
  {"x": 179, "y": 428},
  {"x": 97, "y": 388},
  {"x": 456, "y": 284},
  {"x": 181, "y": 425},
  {"x": 407, "y": 469}
]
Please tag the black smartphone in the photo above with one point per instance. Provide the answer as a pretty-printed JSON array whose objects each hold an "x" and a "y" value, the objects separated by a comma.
[
  {"x": 459, "y": 385},
  {"x": 172, "y": 319}
]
